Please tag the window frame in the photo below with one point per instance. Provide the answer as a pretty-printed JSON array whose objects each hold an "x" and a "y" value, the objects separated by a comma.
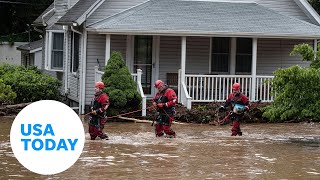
[
  {"x": 243, "y": 54},
  {"x": 49, "y": 49},
  {"x": 221, "y": 53},
  {"x": 72, "y": 67}
]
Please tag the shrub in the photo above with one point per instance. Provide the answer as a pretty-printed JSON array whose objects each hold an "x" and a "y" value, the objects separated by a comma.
[
  {"x": 6, "y": 93},
  {"x": 308, "y": 54},
  {"x": 297, "y": 94},
  {"x": 30, "y": 84},
  {"x": 120, "y": 87}
]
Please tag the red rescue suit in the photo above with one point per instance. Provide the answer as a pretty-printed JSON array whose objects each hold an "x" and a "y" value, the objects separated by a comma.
[
  {"x": 96, "y": 122},
  {"x": 166, "y": 113},
  {"x": 232, "y": 100}
]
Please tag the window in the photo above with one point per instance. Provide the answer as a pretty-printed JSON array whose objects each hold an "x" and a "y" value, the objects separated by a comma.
[
  {"x": 143, "y": 60},
  {"x": 75, "y": 50},
  {"x": 220, "y": 55},
  {"x": 244, "y": 55},
  {"x": 54, "y": 50}
]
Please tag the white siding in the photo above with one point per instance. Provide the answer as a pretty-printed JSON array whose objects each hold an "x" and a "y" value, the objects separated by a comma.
[
  {"x": 96, "y": 50},
  {"x": 118, "y": 43},
  {"x": 198, "y": 49},
  {"x": 110, "y": 7},
  {"x": 286, "y": 7},
  {"x": 38, "y": 59},
  {"x": 9, "y": 54},
  {"x": 170, "y": 56},
  {"x": 96, "y": 44},
  {"x": 274, "y": 54}
]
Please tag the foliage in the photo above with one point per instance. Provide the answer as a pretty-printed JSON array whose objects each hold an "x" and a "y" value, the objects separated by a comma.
[
  {"x": 308, "y": 54},
  {"x": 119, "y": 85},
  {"x": 29, "y": 83},
  {"x": 6, "y": 93},
  {"x": 297, "y": 93},
  {"x": 315, "y": 4}
]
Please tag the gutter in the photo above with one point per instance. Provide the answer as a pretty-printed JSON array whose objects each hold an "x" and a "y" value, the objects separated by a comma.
[{"x": 46, "y": 14}]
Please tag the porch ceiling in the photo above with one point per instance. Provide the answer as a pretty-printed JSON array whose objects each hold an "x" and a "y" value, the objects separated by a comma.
[{"x": 204, "y": 18}]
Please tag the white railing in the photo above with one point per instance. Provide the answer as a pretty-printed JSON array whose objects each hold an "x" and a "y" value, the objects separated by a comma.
[
  {"x": 216, "y": 88},
  {"x": 183, "y": 95},
  {"x": 136, "y": 77},
  {"x": 97, "y": 74}
]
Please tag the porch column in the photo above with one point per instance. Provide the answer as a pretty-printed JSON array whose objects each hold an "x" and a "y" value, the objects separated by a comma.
[
  {"x": 108, "y": 46},
  {"x": 315, "y": 48},
  {"x": 254, "y": 68},
  {"x": 129, "y": 53},
  {"x": 233, "y": 55},
  {"x": 183, "y": 57}
]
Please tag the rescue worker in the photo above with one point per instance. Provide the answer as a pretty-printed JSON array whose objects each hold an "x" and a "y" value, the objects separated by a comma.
[
  {"x": 239, "y": 103},
  {"x": 165, "y": 102},
  {"x": 99, "y": 105}
]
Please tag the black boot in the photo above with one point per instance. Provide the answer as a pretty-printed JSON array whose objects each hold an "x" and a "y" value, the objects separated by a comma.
[{"x": 104, "y": 136}]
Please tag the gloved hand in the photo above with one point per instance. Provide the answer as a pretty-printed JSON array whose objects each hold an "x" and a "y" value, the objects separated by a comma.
[
  {"x": 160, "y": 105},
  {"x": 154, "y": 104},
  {"x": 222, "y": 108},
  {"x": 94, "y": 112}
]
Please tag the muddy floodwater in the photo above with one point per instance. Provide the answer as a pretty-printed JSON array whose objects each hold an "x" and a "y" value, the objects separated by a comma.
[{"x": 265, "y": 151}]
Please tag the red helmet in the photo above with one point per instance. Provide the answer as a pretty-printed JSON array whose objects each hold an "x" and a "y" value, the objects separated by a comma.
[
  {"x": 236, "y": 86},
  {"x": 158, "y": 83},
  {"x": 100, "y": 85}
]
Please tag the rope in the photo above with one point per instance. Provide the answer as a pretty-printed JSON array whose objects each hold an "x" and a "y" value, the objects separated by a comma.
[{"x": 120, "y": 114}]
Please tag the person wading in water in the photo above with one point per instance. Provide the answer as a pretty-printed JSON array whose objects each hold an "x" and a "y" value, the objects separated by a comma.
[
  {"x": 239, "y": 103},
  {"x": 99, "y": 105},
  {"x": 165, "y": 102}
]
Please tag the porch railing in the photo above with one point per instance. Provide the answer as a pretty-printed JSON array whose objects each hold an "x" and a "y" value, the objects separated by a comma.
[
  {"x": 216, "y": 88},
  {"x": 137, "y": 78}
]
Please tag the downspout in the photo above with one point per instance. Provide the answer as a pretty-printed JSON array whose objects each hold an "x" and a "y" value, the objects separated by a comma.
[
  {"x": 66, "y": 65},
  {"x": 84, "y": 67},
  {"x": 46, "y": 14},
  {"x": 76, "y": 30},
  {"x": 82, "y": 52}
]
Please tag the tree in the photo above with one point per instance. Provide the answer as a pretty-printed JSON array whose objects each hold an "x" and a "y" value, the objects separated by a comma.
[
  {"x": 297, "y": 89},
  {"x": 120, "y": 87},
  {"x": 15, "y": 15},
  {"x": 308, "y": 54},
  {"x": 315, "y": 4}
]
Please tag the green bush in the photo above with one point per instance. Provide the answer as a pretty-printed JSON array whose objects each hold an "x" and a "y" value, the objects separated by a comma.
[
  {"x": 30, "y": 84},
  {"x": 297, "y": 93},
  {"x": 120, "y": 87},
  {"x": 6, "y": 93},
  {"x": 308, "y": 54}
]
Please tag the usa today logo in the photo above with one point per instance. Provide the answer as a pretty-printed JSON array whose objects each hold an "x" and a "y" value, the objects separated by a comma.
[{"x": 47, "y": 137}]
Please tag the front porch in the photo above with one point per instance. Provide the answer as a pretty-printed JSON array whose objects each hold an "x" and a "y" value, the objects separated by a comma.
[
  {"x": 210, "y": 88},
  {"x": 196, "y": 68}
]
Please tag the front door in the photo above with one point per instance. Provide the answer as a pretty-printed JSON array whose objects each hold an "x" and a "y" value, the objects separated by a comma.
[{"x": 143, "y": 61}]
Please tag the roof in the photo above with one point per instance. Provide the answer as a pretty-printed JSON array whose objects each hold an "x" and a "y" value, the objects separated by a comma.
[
  {"x": 81, "y": 8},
  {"x": 205, "y": 18},
  {"x": 31, "y": 46},
  {"x": 39, "y": 19}
]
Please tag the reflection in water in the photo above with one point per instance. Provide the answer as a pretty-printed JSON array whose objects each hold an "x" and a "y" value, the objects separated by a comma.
[{"x": 265, "y": 151}]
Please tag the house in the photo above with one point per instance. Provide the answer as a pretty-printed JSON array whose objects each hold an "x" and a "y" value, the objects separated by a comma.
[
  {"x": 204, "y": 45},
  {"x": 31, "y": 54},
  {"x": 9, "y": 53}
]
